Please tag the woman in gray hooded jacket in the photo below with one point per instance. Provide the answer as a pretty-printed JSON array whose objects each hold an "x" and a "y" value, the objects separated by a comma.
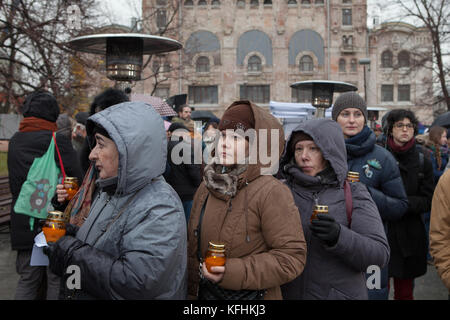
[
  {"x": 340, "y": 247},
  {"x": 133, "y": 242}
]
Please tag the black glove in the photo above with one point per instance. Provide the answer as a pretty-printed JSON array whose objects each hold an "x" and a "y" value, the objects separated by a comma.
[
  {"x": 326, "y": 229},
  {"x": 59, "y": 253},
  {"x": 71, "y": 229}
]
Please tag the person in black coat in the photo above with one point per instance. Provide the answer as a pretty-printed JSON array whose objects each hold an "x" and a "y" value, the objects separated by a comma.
[
  {"x": 184, "y": 177},
  {"x": 40, "y": 113},
  {"x": 407, "y": 236}
]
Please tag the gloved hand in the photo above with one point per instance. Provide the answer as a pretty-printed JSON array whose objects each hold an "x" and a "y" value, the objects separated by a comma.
[
  {"x": 326, "y": 229},
  {"x": 71, "y": 229},
  {"x": 60, "y": 252}
]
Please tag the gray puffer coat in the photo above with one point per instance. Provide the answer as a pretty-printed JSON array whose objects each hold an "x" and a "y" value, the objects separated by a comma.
[
  {"x": 336, "y": 272},
  {"x": 140, "y": 253}
]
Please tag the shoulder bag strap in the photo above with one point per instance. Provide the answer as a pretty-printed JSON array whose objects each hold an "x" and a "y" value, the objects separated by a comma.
[
  {"x": 348, "y": 202},
  {"x": 199, "y": 229},
  {"x": 59, "y": 157}
]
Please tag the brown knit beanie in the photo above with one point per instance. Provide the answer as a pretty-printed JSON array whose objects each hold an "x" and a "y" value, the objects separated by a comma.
[
  {"x": 349, "y": 100},
  {"x": 297, "y": 137},
  {"x": 239, "y": 116}
]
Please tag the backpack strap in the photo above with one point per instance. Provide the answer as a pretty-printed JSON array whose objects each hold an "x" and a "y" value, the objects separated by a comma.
[{"x": 348, "y": 202}]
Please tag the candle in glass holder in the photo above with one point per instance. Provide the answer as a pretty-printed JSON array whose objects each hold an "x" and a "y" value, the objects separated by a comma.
[
  {"x": 215, "y": 256},
  {"x": 73, "y": 189},
  {"x": 54, "y": 226}
]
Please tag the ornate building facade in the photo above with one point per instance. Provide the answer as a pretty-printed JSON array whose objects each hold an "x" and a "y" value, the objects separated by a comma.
[{"x": 254, "y": 49}]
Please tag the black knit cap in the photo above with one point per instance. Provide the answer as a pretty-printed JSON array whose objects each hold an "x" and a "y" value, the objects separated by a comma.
[
  {"x": 349, "y": 100},
  {"x": 41, "y": 104}
]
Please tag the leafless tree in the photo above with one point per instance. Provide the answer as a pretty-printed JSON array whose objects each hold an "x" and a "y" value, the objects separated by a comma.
[
  {"x": 33, "y": 50},
  {"x": 434, "y": 15}
]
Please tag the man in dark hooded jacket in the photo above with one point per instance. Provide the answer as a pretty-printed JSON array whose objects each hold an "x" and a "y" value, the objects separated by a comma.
[{"x": 40, "y": 113}]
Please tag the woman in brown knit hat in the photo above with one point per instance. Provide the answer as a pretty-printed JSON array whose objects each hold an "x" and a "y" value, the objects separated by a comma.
[{"x": 252, "y": 214}]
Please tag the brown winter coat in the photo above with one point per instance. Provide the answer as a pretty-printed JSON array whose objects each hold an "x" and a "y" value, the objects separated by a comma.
[
  {"x": 262, "y": 231},
  {"x": 440, "y": 228}
]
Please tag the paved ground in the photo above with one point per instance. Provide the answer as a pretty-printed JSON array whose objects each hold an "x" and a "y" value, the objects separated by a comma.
[{"x": 427, "y": 287}]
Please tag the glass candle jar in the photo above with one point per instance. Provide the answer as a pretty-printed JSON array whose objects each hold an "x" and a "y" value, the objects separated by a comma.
[
  {"x": 55, "y": 226},
  {"x": 73, "y": 189},
  {"x": 353, "y": 176},
  {"x": 318, "y": 209},
  {"x": 215, "y": 256}
]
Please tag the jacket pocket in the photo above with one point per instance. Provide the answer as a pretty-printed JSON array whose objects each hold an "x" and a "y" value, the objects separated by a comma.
[{"x": 335, "y": 294}]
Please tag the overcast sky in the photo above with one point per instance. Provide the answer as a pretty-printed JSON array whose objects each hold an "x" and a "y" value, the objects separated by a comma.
[{"x": 121, "y": 11}]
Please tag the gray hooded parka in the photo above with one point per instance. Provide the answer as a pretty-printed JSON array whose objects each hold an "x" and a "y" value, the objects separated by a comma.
[
  {"x": 337, "y": 272},
  {"x": 140, "y": 253}
]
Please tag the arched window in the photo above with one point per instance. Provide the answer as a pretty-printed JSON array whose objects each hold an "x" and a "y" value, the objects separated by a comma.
[
  {"x": 202, "y": 2},
  {"x": 254, "y": 3},
  {"x": 189, "y": 3},
  {"x": 306, "y": 64},
  {"x": 267, "y": 2},
  {"x": 403, "y": 59},
  {"x": 306, "y": 2},
  {"x": 161, "y": 2},
  {"x": 215, "y": 3},
  {"x": 254, "y": 63},
  {"x": 292, "y": 2},
  {"x": 202, "y": 64},
  {"x": 342, "y": 65},
  {"x": 319, "y": 2},
  {"x": 386, "y": 59},
  {"x": 353, "y": 65},
  {"x": 241, "y": 3}
]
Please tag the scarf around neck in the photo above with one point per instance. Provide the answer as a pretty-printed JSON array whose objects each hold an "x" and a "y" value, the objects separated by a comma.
[
  {"x": 400, "y": 149},
  {"x": 31, "y": 124},
  {"x": 221, "y": 179}
]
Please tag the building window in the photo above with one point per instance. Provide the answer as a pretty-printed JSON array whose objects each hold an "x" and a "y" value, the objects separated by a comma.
[
  {"x": 202, "y": 3},
  {"x": 254, "y": 64},
  {"x": 404, "y": 92},
  {"x": 189, "y": 3},
  {"x": 203, "y": 95},
  {"x": 403, "y": 59},
  {"x": 161, "y": 19},
  {"x": 342, "y": 65},
  {"x": 254, "y": 3},
  {"x": 346, "y": 17},
  {"x": 255, "y": 93},
  {"x": 202, "y": 64},
  {"x": 387, "y": 93},
  {"x": 306, "y": 2},
  {"x": 386, "y": 59},
  {"x": 347, "y": 1},
  {"x": 353, "y": 66},
  {"x": 347, "y": 42},
  {"x": 241, "y": 3},
  {"x": 267, "y": 2},
  {"x": 319, "y": 2},
  {"x": 301, "y": 95},
  {"x": 215, "y": 3},
  {"x": 161, "y": 2},
  {"x": 161, "y": 92},
  {"x": 306, "y": 64},
  {"x": 292, "y": 2}
]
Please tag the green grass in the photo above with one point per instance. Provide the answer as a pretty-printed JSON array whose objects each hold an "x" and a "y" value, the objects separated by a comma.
[{"x": 3, "y": 164}]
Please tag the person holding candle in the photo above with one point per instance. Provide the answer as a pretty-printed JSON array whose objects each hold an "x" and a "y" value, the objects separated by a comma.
[
  {"x": 344, "y": 242},
  {"x": 241, "y": 206},
  {"x": 133, "y": 242}
]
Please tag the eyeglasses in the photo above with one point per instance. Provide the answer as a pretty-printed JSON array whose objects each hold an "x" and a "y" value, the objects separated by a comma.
[{"x": 402, "y": 125}]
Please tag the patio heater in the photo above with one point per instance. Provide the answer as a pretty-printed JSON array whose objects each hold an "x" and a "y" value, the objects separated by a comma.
[
  {"x": 322, "y": 92},
  {"x": 124, "y": 52}
]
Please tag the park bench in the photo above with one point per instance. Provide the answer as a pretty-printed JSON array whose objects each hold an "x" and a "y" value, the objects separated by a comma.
[{"x": 5, "y": 200}]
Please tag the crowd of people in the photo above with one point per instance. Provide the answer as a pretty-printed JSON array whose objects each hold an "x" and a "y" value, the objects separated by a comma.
[{"x": 142, "y": 221}]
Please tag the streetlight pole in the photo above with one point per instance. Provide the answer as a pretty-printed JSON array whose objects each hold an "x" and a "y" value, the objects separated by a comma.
[{"x": 364, "y": 62}]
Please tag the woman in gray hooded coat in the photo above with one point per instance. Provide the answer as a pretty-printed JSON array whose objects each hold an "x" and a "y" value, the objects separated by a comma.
[
  {"x": 314, "y": 166},
  {"x": 133, "y": 242}
]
